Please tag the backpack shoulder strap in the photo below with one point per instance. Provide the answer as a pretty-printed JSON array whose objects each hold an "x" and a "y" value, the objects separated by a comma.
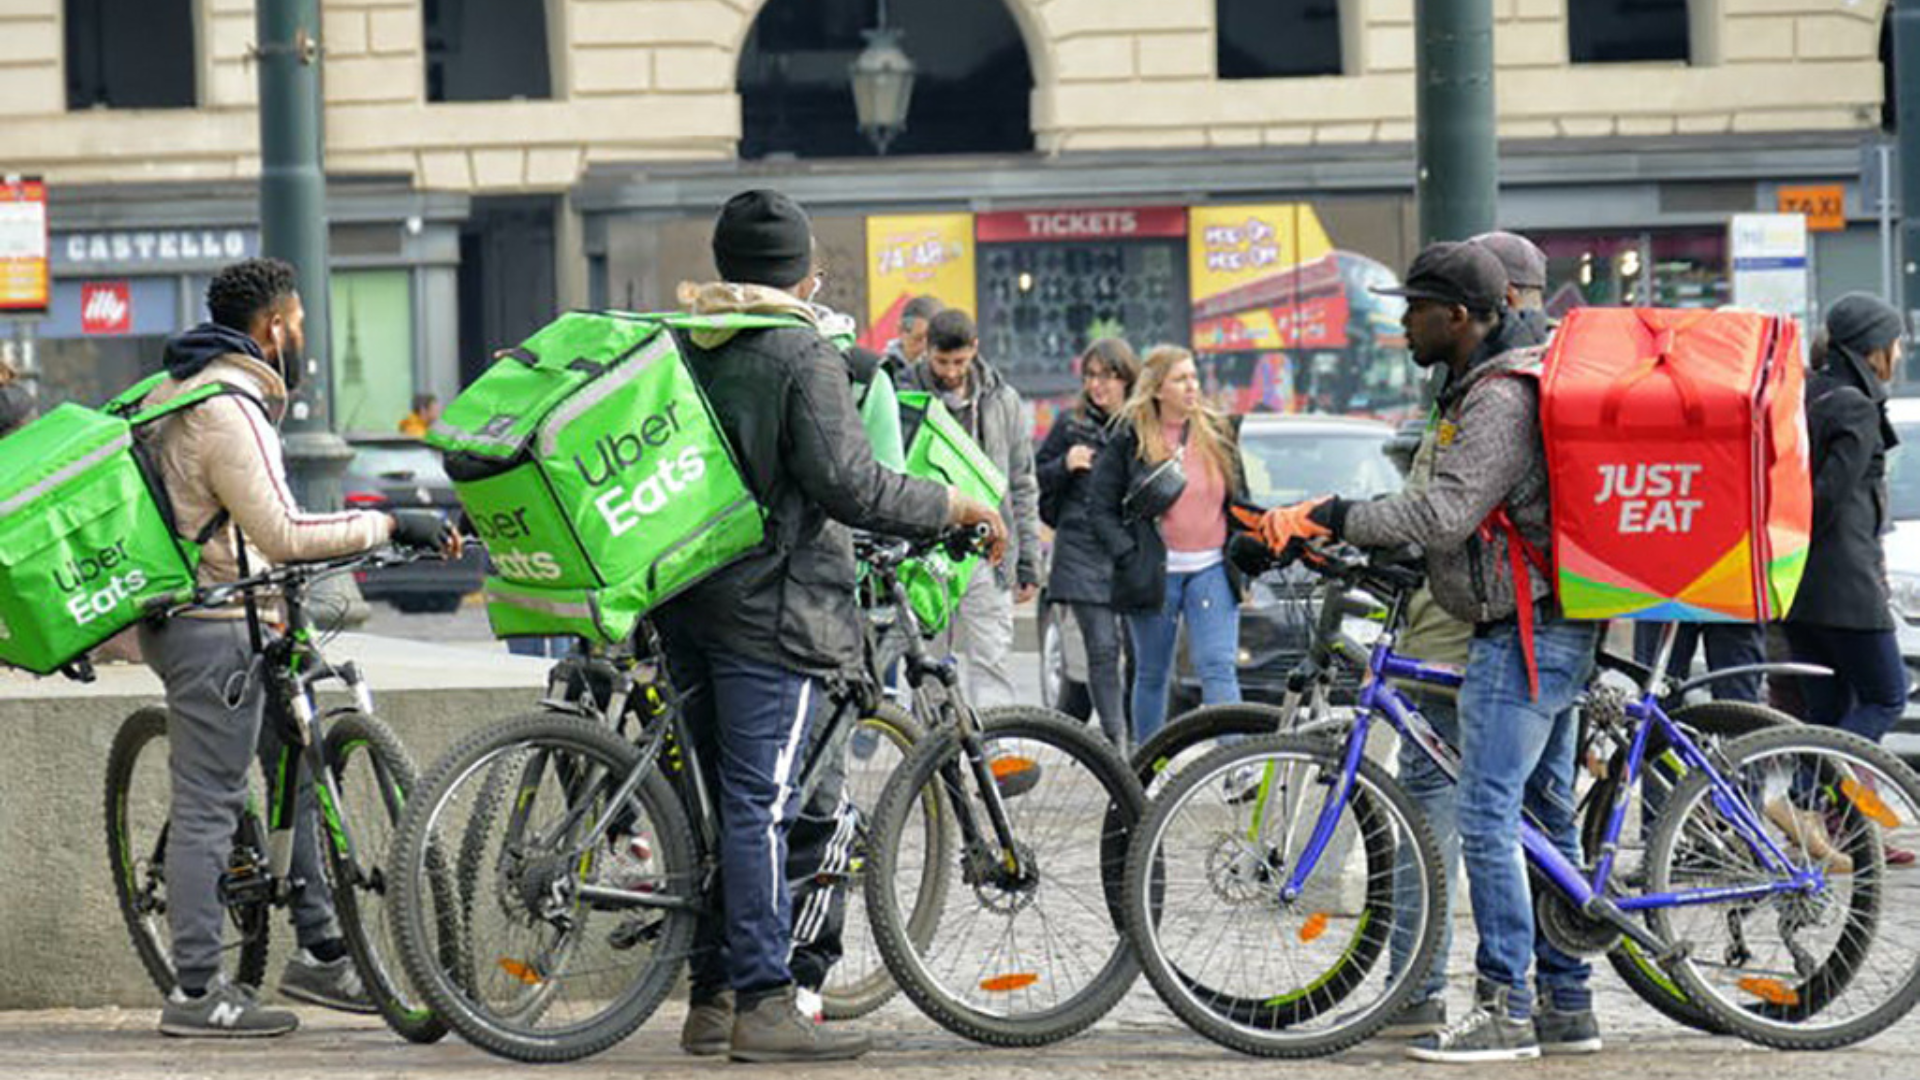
[{"x": 203, "y": 392}]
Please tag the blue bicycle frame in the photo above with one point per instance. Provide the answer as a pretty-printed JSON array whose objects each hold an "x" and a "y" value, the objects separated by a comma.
[{"x": 1587, "y": 890}]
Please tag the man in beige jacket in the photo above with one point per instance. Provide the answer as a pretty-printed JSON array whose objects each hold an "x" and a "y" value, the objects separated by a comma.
[{"x": 221, "y": 464}]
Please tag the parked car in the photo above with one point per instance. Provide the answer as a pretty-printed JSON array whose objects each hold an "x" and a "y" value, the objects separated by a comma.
[
  {"x": 394, "y": 472},
  {"x": 1903, "y": 563},
  {"x": 1288, "y": 458}
]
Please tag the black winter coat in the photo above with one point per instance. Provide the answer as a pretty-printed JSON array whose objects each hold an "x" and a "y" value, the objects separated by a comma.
[
  {"x": 1082, "y": 571},
  {"x": 1135, "y": 547},
  {"x": 1846, "y": 577},
  {"x": 782, "y": 397}
]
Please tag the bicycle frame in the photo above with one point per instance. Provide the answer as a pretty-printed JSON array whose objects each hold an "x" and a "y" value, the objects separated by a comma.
[{"x": 1587, "y": 891}]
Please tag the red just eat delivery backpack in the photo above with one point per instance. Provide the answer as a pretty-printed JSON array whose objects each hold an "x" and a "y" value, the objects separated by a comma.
[{"x": 1677, "y": 449}]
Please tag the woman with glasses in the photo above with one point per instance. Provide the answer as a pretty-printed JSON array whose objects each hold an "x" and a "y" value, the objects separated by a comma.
[{"x": 1082, "y": 573}]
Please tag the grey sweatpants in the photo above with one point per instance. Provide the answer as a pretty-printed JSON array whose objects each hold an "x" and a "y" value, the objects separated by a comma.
[
  {"x": 981, "y": 635},
  {"x": 214, "y": 729}
]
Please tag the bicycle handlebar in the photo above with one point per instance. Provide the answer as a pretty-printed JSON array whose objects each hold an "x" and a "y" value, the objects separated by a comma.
[
  {"x": 296, "y": 575},
  {"x": 888, "y": 552}
]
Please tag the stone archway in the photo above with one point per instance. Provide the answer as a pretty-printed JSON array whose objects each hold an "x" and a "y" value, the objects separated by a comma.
[{"x": 979, "y": 62}]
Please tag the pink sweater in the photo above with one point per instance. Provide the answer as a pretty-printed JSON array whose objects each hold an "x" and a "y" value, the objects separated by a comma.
[{"x": 1197, "y": 520}]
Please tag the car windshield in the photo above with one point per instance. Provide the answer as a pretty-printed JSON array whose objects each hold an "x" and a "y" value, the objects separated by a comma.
[
  {"x": 1288, "y": 466},
  {"x": 1903, "y": 473},
  {"x": 417, "y": 464}
]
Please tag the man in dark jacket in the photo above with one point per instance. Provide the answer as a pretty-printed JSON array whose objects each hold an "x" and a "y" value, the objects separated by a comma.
[
  {"x": 1525, "y": 664},
  {"x": 990, "y": 409},
  {"x": 1841, "y": 617},
  {"x": 752, "y": 642}
]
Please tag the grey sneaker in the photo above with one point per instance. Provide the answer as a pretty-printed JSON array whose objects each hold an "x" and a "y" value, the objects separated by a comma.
[
  {"x": 1567, "y": 1032},
  {"x": 334, "y": 984},
  {"x": 708, "y": 1031},
  {"x": 225, "y": 1011},
  {"x": 774, "y": 1029},
  {"x": 1488, "y": 1033},
  {"x": 1417, "y": 1018}
]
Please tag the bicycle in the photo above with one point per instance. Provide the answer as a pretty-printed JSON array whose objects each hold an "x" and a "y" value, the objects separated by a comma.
[
  {"x": 1736, "y": 845},
  {"x": 1343, "y": 627},
  {"x": 361, "y": 776},
  {"x": 594, "y": 810}
]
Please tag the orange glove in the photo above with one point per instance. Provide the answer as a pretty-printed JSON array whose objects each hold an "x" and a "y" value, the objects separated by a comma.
[{"x": 1285, "y": 523}]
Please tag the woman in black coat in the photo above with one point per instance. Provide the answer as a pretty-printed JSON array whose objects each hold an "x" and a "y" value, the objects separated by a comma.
[{"x": 1082, "y": 573}]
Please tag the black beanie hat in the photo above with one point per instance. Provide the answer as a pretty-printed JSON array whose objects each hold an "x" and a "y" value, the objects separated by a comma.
[{"x": 763, "y": 238}]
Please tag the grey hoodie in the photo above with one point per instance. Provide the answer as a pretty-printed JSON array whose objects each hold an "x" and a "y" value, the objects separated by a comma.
[{"x": 1489, "y": 454}]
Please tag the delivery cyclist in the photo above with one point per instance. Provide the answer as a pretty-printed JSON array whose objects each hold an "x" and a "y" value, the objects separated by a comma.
[
  {"x": 751, "y": 643},
  {"x": 1489, "y": 490},
  {"x": 220, "y": 462}
]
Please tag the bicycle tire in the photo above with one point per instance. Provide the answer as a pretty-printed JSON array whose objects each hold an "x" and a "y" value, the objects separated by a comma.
[
  {"x": 1065, "y": 742},
  {"x": 1154, "y": 759},
  {"x": 1785, "y": 1017},
  {"x": 671, "y": 935},
  {"x": 1716, "y": 719},
  {"x": 138, "y": 864},
  {"x": 848, "y": 998},
  {"x": 1264, "y": 1025},
  {"x": 375, "y": 953}
]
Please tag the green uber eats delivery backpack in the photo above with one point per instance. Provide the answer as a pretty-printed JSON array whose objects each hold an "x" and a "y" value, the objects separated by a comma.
[
  {"x": 87, "y": 534},
  {"x": 591, "y": 464},
  {"x": 939, "y": 449}
]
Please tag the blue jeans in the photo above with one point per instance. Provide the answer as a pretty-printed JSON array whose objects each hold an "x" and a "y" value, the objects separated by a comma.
[
  {"x": 1434, "y": 793},
  {"x": 1205, "y": 598},
  {"x": 749, "y": 721},
  {"x": 1517, "y": 750}
]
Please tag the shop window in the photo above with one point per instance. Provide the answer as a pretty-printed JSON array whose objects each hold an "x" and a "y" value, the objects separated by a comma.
[
  {"x": 1277, "y": 39},
  {"x": 971, "y": 93},
  {"x": 486, "y": 50},
  {"x": 372, "y": 343},
  {"x": 1041, "y": 305},
  {"x": 130, "y": 54},
  {"x": 1625, "y": 31}
]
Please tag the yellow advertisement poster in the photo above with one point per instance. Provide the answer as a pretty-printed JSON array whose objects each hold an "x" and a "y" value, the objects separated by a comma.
[
  {"x": 915, "y": 255},
  {"x": 1255, "y": 272}
]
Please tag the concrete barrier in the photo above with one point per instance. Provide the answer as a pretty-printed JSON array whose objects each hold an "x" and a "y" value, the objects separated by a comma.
[{"x": 62, "y": 942}]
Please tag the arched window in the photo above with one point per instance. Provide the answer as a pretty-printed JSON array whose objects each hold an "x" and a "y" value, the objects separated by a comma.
[{"x": 970, "y": 95}]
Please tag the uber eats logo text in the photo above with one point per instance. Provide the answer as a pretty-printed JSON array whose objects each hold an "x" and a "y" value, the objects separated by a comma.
[
  {"x": 509, "y": 525},
  {"x": 641, "y": 491},
  {"x": 99, "y": 590}
]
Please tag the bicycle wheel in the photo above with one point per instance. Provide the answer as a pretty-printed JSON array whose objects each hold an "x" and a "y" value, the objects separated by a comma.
[
  {"x": 1190, "y": 735},
  {"x": 374, "y": 775},
  {"x": 859, "y": 982},
  {"x": 1806, "y": 968},
  {"x": 1013, "y": 960},
  {"x": 1227, "y": 953},
  {"x": 138, "y": 792},
  {"x": 583, "y": 912},
  {"x": 1710, "y": 723}
]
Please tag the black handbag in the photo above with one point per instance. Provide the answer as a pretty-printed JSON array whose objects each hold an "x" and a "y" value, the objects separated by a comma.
[{"x": 1155, "y": 492}]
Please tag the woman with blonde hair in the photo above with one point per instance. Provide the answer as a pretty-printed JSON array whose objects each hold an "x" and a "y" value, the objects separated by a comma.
[
  {"x": 1081, "y": 574},
  {"x": 1159, "y": 497}
]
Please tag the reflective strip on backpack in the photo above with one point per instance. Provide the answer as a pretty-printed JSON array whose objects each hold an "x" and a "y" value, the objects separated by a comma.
[
  {"x": 660, "y": 347},
  {"x": 120, "y": 445},
  {"x": 469, "y": 440},
  {"x": 559, "y": 609}
]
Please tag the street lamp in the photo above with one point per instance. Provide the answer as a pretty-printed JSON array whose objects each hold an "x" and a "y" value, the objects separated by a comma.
[{"x": 882, "y": 83}]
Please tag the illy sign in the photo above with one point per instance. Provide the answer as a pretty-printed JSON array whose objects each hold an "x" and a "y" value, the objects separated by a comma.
[{"x": 106, "y": 307}]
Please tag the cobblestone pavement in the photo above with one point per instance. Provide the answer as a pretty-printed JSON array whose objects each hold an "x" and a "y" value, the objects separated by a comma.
[{"x": 1139, "y": 1038}]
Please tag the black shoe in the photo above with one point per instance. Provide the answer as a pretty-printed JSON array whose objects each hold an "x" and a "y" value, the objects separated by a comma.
[
  {"x": 708, "y": 1031},
  {"x": 1567, "y": 1032},
  {"x": 1417, "y": 1018},
  {"x": 1488, "y": 1033}
]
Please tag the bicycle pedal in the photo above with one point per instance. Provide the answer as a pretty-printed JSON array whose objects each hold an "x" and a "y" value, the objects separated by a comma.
[{"x": 632, "y": 934}]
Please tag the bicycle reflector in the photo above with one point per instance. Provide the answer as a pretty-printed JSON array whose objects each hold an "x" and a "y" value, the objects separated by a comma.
[
  {"x": 1771, "y": 991},
  {"x": 1006, "y": 984},
  {"x": 1868, "y": 802},
  {"x": 1009, "y": 765},
  {"x": 523, "y": 972},
  {"x": 1315, "y": 925}
]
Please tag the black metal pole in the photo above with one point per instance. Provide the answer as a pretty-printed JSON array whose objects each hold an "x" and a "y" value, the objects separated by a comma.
[
  {"x": 1457, "y": 153},
  {"x": 293, "y": 226}
]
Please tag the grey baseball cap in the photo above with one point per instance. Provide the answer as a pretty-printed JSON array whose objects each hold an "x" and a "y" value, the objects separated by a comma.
[{"x": 1526, "y": 264}]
